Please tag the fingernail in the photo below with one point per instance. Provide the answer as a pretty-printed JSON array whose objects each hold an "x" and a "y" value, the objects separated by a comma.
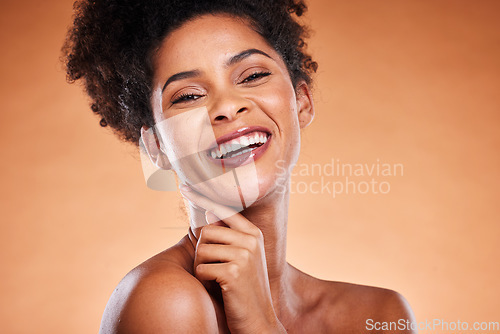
[
  {"x": 210, "y": 217},
  {"x": 184, "y": 188}
]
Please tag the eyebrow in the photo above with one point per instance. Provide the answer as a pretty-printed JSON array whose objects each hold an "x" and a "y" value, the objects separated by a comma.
[
  {"x": 245, "y": 54},
  {"x": 233, "y": 60},
  {"x": 180, "y": 76}
]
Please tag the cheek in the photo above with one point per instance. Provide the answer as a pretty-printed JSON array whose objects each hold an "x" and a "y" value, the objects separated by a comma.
[
  {"x": 281, "y": 107},
  {"x": 186, "y": 137},
  {"x": 279, "y": 103}
]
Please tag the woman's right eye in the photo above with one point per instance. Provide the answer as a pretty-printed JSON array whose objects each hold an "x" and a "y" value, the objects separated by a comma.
[{"x": 185, "y": 98}]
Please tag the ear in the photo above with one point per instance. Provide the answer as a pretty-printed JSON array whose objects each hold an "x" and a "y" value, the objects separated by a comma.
[
  {"x": 153, "y": 148},
  {"x": 305, "y": 104}
]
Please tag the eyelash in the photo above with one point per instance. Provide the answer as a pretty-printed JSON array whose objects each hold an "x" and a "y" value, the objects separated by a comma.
[
  {"x": 192, "y": 97},
  {"x": 186, "y": 97},
  {"x": 256, "y": 76}
]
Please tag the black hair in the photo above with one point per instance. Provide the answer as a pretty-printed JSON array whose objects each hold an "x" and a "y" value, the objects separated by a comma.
[{"x": 111, "y": 43}]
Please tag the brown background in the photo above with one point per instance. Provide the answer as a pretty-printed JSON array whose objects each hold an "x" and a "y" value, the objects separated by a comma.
[{"x": 412, "y": 82}]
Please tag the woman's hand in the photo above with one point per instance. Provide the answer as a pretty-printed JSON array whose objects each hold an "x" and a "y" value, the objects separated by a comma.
[{"x": 232, "y": 254}]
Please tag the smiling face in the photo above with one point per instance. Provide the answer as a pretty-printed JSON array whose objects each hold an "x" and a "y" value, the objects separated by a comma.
[{"x": 223, "y": 99}]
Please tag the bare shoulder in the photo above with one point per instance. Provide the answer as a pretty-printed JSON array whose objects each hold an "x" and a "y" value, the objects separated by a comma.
[
  {"x": 160, "y": 296},
  {"x": 368, "y": 309}
]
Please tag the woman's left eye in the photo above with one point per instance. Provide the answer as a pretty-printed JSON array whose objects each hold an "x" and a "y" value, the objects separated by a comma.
[{"x": 255, "y": 76}]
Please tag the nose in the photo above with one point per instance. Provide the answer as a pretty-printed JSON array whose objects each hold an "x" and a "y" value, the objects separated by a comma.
[{"x": 228, "y": 106}]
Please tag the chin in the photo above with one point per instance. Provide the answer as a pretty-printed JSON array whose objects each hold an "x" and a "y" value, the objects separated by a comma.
[{"x": 237, "y": 188}]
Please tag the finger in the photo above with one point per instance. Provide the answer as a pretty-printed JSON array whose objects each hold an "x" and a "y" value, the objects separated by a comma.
[
  {"x": 218, "y": 272},
  {"x": 213, "y": 234},
  {"x": 213, "y": 219},
  {"x": 216, "y": 253}
]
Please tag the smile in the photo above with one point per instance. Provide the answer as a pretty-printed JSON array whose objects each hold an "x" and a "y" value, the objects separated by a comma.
[{"x": 238, "y": 146}]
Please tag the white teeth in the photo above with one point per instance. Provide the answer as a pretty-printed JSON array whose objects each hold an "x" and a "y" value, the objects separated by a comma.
[
  {"x": 244, "y": 141},
  {"x": 241, "y": 152},
  {"x": 238, "y": 144}
]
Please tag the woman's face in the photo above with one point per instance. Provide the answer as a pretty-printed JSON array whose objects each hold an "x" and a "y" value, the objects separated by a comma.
[{"x": 226, "y": 110}]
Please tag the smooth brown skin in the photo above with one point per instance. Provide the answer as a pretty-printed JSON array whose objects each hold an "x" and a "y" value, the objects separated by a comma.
[{"x": 232, "y": 276}]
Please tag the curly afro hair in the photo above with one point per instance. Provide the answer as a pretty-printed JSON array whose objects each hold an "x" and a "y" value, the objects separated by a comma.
[{"x": 111, "y": 44}]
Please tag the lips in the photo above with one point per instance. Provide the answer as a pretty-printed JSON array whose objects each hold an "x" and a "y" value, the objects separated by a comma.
[{"x": 234, "y": 149}]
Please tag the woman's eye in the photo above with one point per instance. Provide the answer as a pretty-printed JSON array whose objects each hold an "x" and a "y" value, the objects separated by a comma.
[
  {"x": 255, "y": 76},
  {"x": 185, "y": 98}
]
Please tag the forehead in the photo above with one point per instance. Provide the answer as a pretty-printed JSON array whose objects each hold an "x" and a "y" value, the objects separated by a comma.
[{"x": 208, "y": 37}]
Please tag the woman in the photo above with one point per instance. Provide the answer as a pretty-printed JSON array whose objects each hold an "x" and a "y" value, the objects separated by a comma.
[{"x": 219, "y": 91}]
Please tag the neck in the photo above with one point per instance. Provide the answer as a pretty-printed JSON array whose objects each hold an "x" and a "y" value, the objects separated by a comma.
[{"x": 270, "y": 214}]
